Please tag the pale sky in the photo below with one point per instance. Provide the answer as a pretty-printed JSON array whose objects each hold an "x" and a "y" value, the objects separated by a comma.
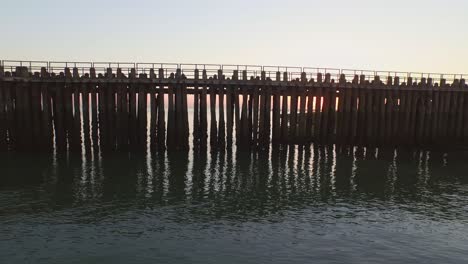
[{"x": 418, "y": 35}]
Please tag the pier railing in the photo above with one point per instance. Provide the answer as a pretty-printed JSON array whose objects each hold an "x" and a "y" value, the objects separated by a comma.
[{"x": 254, "y": 71}]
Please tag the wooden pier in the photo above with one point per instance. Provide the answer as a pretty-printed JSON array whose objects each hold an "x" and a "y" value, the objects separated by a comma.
[{"x": 83, "y": 108}]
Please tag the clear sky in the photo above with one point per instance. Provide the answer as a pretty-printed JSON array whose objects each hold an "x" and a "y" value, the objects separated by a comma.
[{"x": 406, "y": 35}]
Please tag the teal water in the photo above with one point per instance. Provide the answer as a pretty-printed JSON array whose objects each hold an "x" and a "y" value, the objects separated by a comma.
[{"x": 293, "y": 205}]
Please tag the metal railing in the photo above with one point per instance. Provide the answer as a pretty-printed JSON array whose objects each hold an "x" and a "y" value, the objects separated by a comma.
[{"x": 254, "y": 71}]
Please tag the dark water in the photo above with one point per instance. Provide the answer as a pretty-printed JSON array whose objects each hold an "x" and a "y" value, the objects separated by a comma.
[{"x": 311, "y": 205}]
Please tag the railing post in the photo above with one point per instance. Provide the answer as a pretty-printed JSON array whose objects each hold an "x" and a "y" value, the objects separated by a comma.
[{"x": 278, "y": 76}]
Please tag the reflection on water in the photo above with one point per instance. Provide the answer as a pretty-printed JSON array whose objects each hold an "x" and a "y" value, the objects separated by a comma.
[{"x": 235, "y": 206}]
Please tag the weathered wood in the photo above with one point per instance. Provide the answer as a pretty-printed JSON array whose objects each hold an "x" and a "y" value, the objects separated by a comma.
[
  {"x": 381, "y": 125},
  {"x": 360, "y": 82},
  {"x": 68, "y": 90},
  {"x": 46, "y": 118},
  {"x": 237, "y": 115},
  {"x": 10, "y": 116},
  {"x": 266, "y": 137},
  {"x": 465, "y": 114},
  {"x": 302, "y": 115},
  {"x": 94, "y": 111},
  {"x": 229, "y": 115},
  {"x": 327, "y": 90},
  {"x": 413, "y": 111},
  {"x": 346, "y": 119},
  {"x": 396, "y": 95},
  {"x": 19, "y": 114},
  {"x": 213, "y": 122},
  {"x": 78, "y": 107},
  {"x": 435, "y": 113},
  {"x": 284, "y": 119},
  {"x": 250, "y": 116},
  {"x": 161, "y": 132},
  {"x": 186, "y": 128},
  {"x": 388, "y": 112},
  {"x": 340, "y": 131},
  {"x": 3, "y": 122},
  {"x": 370, "y": 115},
  {"x": 170, "y": 118},
  {"x": 276, "y": 129},
  {"x": 222, "y": 123},
  {"x": 196, "y": 117},
  {"x": 244, "y": 122},
  {"x": 318, "y": 108},
  {"x": 203, "y": 114},
  {"x": 36, "y": 115},
  {"x": 86, "y": 119},
  {"x": 143, "y": 114},
  {"x": 293, "y": 116},
  {"x": 111, "y": 117},
  {"x": 354, "y": 114},
  {"x": 59, "y": 120},
  {"x": 420, "y": 115}
]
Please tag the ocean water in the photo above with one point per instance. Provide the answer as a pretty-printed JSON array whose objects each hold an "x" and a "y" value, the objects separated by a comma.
[{"x": 315, "y": 204}]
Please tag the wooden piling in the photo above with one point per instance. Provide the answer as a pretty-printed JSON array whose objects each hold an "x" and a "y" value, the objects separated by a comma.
[
  {"x": 196, "y": 110},
  {"x": 276, "y": 129},
  {"x": 203, "y": 113},
  {"x": 318, "y": 108},
  {"x": 161, "y": 132},
  {"x": 213, "y": 122},
  {"x": 36, "y": 114},
  {"x": 94, "y": 110},
  {"x": 59, "y": 120},
  {"x": 109, "y": 112},
  {"x": 221, "y": 123},
  {"x": 302, "y": 110},
  {"x": 3, "y": 127}
]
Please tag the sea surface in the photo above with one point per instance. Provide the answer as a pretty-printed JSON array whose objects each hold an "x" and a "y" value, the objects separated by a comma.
[{"x": 315, "y": 204}]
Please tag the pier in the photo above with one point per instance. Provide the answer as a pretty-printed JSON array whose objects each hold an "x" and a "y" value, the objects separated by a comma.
[{"x": 71, "y": 106}]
